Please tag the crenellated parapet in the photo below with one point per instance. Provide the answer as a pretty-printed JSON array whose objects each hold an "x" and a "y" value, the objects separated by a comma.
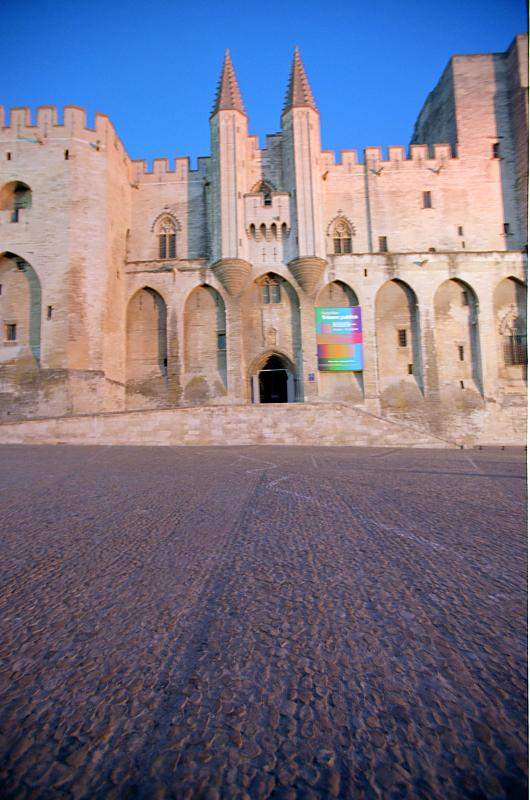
[
  {"x": 49, "y": 123},
  {"x": 163, "y": 170},
  {"x": 397, "y": 157}
]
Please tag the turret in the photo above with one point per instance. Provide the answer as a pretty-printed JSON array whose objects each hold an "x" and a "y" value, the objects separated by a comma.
[
  {"x": 229, "y": 133},
  {"x": 301, "y": 169}
]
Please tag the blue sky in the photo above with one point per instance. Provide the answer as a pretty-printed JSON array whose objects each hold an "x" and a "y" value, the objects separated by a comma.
[{"x": 153, "y": 67}]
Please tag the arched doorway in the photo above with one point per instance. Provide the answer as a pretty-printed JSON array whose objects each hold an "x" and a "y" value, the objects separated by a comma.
[{"x": 272, "y": 380}]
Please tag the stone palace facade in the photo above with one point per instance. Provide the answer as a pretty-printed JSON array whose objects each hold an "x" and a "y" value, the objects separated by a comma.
[{"x": 128, "y": 288}]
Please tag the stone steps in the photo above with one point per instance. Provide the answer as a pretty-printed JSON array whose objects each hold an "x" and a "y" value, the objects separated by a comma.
[{"x": 322, "y": 424}]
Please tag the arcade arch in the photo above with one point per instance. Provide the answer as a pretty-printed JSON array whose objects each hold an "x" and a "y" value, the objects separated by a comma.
[
  {"x": 146, "y": 341},
  {"x": 398, "y": 335},
  {"x": 20, "y": 310},
  {"x": 509, "y": 308},
  {"x": 205, "y": 345},
  {"x": 458, "y": 359},
  {"x": 344, "y": 386}
]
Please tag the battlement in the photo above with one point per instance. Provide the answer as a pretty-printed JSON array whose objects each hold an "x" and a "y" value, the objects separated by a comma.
[
  {"x": 162, "y": 170},
  {"x": 374, "y": 156},
  {"x": 48, "y": 123}
]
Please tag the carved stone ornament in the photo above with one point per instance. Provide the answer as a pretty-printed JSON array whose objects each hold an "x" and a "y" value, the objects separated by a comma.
[
  {"x": 271, "y": 339},
  {"x": 233, "y": 273},
  {"x": 308, "y": 272}
]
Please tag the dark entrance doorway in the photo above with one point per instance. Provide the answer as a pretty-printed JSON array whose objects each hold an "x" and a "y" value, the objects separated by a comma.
[{"x": 273, "y": 382}]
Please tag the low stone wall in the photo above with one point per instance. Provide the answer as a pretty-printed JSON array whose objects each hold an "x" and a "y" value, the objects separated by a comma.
[{"x": 286, "y": 424}]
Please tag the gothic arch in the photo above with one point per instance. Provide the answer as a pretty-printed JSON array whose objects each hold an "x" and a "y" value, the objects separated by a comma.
[
  {"x": 398, "y": 338},
  {"x": 273, "y": 378},
  {"x": 336, "y": 220},
  {"x": 345, "y": 386},
  {"x": 260, "y": 360},
  {"x": 285, "y": 284},
  {"x": 510, "y": 315},
  {"x": 263, "y": 186},
  {"x": 146, "y": 342},
  {"x": 15, "y": 197},
  {"x": 20, "y": 305},
  {"x": 161, "y": 217},
  {"x": 456, "y": 314},
  {"x": 343, "y": 295},
  {"x": 205, "y": 344},
  {"x": 271, "y": 323},
  {"x": 340, "y": 233}
]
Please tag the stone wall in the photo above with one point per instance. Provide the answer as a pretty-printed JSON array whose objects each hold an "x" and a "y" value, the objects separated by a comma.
[{"x": 106, "y": 320}]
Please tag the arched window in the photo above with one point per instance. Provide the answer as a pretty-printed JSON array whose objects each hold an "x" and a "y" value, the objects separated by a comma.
[
  {"x": 15, "y": 197},
  {"x": 341, "y": 238},
  {"x": 167, "y": 238},
  {"x": 271, "y": 291}
]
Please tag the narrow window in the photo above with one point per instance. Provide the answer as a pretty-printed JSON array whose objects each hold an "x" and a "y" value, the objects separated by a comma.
[
  {"x": 506, "y": 227},
  {"x": 0, "y": 288},
  {"x": 383, "y": 244},
  {"x": 221, "y": 341},
  {"x": 464, "y": 245},
  {"x": 515, "y": 349},
  {"x": 50, "y": 312},
  {"x": 402, "y": 337},
  {"x": 461, "y": 352},
  {"x": 460, "y": 230},
  {"x": 410, "y": 369},
  {"x": 427, "y": 200},
  {"x": 66, "y": 155},
  {"x": 276, "y": 295},
  {"x": 167, "y": 238},
  {"x": 342, "y": 238},
  {"x": 462, "y": 384},
  {"x": 365, "y": 273},
  {"x": 496, "y": 150},
  {"x": 8, "y": 156},
  {"x": 11, "y": 332},
  {"x": 265, "y": 294}
]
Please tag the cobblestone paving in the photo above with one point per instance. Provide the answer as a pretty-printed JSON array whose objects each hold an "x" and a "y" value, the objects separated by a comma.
[{"x": 262, "y": 622}]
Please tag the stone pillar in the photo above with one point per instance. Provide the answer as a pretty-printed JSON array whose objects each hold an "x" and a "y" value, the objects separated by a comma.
[
  {"x": 235, "y": 366},
  {"x": 431, "y": 389},
  {"x": 370, "y": 371},
  {"x": 487, "y": 343},
  {"x": 308, "y": 390},
  {"x": 233, "y": 274}
]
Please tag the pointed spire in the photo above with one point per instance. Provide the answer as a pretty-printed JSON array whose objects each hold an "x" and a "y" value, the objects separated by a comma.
[
  {"x": 299, "y": 92},
  {"x": 228, "y": 96}
]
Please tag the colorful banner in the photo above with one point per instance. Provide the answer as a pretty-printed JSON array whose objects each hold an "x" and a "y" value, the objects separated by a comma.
[{"x": 339, "y": 339}]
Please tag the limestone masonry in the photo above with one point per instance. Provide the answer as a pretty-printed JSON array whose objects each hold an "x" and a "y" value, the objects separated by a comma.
[{"x": 128, "y": 289}]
